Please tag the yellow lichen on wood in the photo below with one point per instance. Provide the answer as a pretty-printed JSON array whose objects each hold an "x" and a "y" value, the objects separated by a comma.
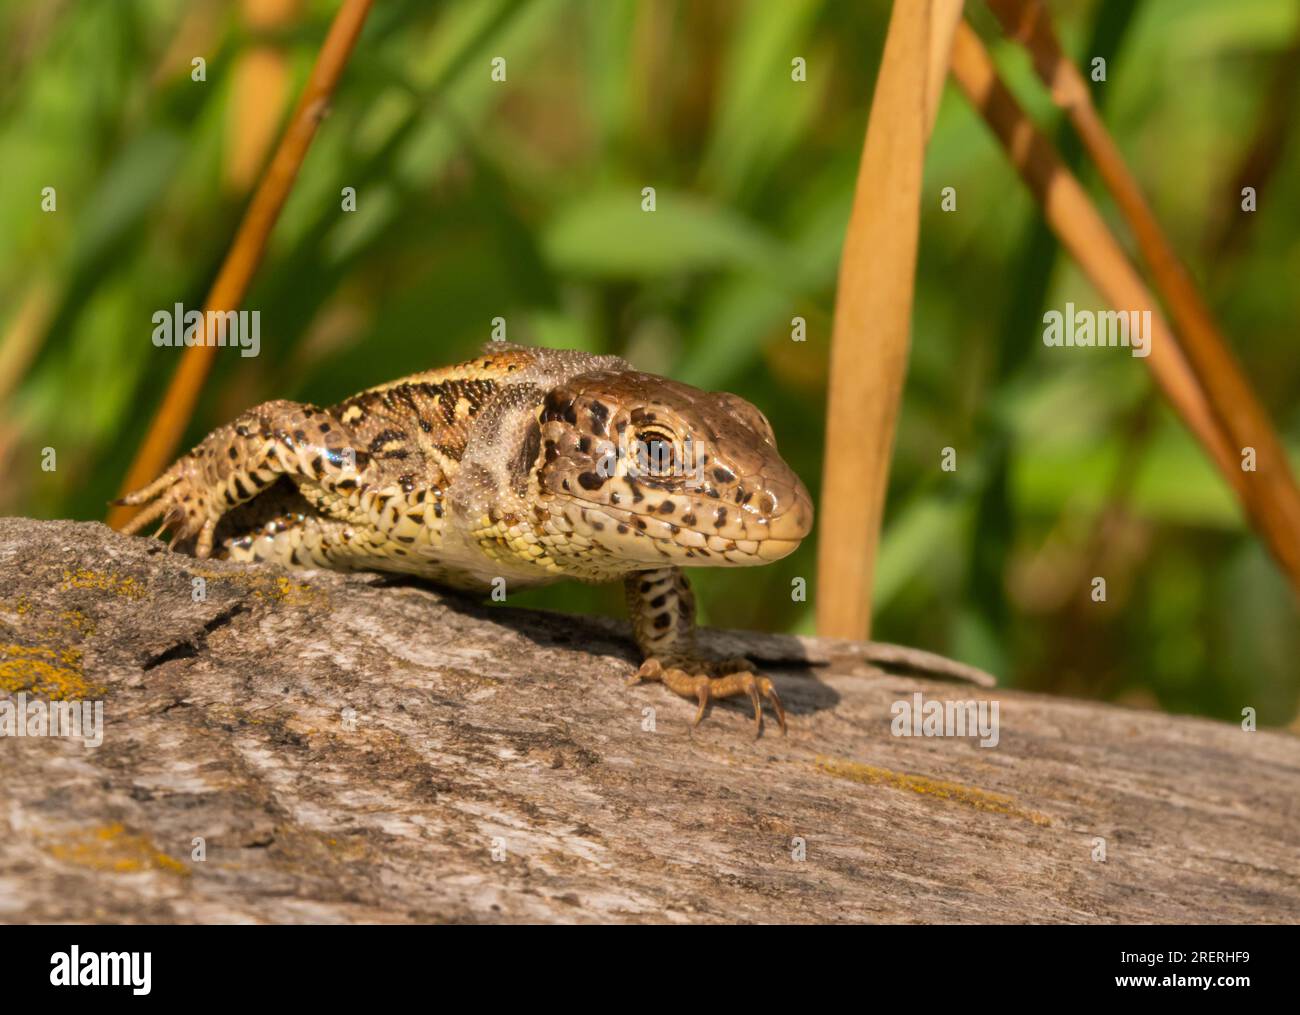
[
  {"x": 45, "y": 672},
  {"x": 112, "y": 849},
  {"x": 980, "y": 799},
  {"x": 288, "y": 592},
  {"x": 269, "y": 588},
  {"x": 78, "y": 621},
  {"x": 85, "y": 578}
]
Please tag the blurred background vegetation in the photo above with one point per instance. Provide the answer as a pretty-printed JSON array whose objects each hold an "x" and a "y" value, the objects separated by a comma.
[{"x": 521, "y": 199}]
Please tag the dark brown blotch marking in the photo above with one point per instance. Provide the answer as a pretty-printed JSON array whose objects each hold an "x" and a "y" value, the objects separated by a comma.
[
  {"x": 558, "y": 405},
  {"x": 599, "y": 418},
  {"x": 386, "y": 437},
  {"x": 529, "y": 448}
]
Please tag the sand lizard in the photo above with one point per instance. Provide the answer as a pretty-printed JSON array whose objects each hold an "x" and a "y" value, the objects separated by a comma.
[{"x": 524, "y": 465}]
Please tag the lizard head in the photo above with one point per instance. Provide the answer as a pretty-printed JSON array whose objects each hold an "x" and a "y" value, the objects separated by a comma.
[{"x": 657, "y": 472}]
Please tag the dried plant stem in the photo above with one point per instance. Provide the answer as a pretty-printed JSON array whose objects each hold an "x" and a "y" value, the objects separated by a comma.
[
  {"x": 231, "y": 285},
  {"x": 1270, "y": 495},
  {"x": 260, "y": 91},
  {"x": 873, "y": 309},
  {"x": 945, "y": 16},
  {"x": 27, "y": 331},
  {"x": 1259, "y": 163},
  {"x": 1085, "y": 235}
]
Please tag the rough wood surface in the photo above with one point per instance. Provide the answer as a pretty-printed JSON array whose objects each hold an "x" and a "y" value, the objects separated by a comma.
[{"x": 497, "y": 768}]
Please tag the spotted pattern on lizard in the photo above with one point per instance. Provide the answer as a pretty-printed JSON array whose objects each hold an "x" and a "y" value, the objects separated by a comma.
[{"x": 528, "y": 465}]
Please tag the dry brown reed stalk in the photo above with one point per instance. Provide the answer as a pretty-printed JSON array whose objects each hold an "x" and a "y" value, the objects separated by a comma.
[
  {"x": 1269, "y": 494},
  {"x": 260, "y": 92},
  {"x": 1226, "y": 231},
  {"x": 1084, "y": 233},
  {"x": 245, "y": 254},
  {"x": 873, "y": 310}
]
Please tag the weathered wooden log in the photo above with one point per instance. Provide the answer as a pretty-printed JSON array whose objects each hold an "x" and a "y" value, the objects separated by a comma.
[{"x": 289, "y": 746}]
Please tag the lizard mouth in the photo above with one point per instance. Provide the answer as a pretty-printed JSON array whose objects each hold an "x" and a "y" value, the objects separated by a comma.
[{"x": 650, "y": 536}]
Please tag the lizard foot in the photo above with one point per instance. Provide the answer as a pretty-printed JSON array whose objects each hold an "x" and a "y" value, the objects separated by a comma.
[
  {"x": 707, "y": 681},
  {"x": 181, "y": 503}
]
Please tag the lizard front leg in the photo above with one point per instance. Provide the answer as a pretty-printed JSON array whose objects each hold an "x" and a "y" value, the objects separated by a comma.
[
  {"x": 238, "y": 461},
  {"x": 662, "y": 608}
]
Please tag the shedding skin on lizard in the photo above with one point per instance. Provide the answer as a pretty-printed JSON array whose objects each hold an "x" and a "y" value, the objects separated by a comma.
[{"x": 528, "y": 465}]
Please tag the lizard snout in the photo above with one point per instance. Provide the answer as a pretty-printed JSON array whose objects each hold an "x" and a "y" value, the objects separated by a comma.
[{"x": 790, "y": 519}]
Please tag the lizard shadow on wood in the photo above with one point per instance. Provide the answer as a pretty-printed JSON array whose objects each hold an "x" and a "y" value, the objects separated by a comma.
[{"x": 782, "y": 656}]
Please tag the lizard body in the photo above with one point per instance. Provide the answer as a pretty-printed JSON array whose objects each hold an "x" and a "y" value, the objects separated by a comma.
[{"x": 526, "y": 465}]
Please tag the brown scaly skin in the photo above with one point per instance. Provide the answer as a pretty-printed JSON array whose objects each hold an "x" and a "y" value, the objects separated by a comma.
[{"x": 508, "y": 467}]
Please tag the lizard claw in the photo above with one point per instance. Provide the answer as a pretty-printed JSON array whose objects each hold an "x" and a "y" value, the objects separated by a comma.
[
  {"x": 713, "y": 681},
  {"x": 179, "y": 505},
  {"x": 651, "y": 669}
]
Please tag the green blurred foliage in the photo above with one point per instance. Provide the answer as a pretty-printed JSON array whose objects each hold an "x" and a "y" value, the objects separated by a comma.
[{"x": 521, "y": 199}]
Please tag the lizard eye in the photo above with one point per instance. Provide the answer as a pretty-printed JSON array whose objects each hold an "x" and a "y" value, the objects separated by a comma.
[{"x": 655, "y": 452}]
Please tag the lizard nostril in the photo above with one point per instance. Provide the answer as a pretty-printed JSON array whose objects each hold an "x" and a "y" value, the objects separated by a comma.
[{"x": 793, "y": 519}]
